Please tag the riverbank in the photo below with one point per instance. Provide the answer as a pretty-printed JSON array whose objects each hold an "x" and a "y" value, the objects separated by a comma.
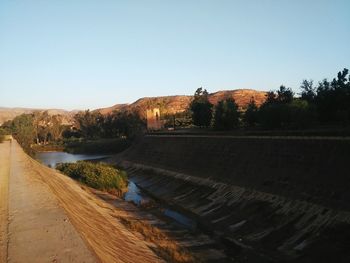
[
  {"x": 37, "y": 228},
  {"x": 50, "y": 218},
  {"x": 173, "y": 236},
  {"x": 4, "y": 176}
]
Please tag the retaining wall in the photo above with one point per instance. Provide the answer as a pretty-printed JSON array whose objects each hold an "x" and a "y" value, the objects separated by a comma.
[{"x": 280, "y": 199}]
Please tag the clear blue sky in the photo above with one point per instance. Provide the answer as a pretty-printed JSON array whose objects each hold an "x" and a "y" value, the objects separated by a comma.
[{"x": 87, "y": 54}]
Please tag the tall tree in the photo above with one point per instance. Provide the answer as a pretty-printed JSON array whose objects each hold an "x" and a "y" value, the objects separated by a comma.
[
  {"x": 23, "y": 130},
  {"x": 251, "y": 114},
  {"x": 284, "y": 95},
  {"x": 89, "y": 123},
  {"x": 201, "y": 108},
  {"x": 275, "y": 112},
  {"x": 333, "y": 99},
  {"x": 226, "y": 115},
  {"x": 308, "y": 91}
]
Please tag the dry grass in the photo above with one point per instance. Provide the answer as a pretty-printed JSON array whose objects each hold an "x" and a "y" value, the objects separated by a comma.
[
  {"x": 164, "y": 246},
  {"x": 168, "y": 249}
]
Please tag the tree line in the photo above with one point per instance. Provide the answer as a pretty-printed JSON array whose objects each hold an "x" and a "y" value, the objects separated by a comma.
[
  {"x": 42, "y": 128},
  {"x": 324, "y": 104},
  {"x": 118, "y": 124},
  {"x": 327, "y": 104}
]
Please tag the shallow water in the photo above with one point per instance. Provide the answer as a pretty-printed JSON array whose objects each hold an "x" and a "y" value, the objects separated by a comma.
[
  {"x": 134, "y": 193},
  {"x": 51, "y": 159},
  {"x": 180, "y": 218},
  {"x": 138, "y": 197}
]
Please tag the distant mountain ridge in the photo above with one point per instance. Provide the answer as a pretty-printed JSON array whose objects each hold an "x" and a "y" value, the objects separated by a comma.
[
  {"x": 10, "y": 113},
  {"x": 179, "y": 103},
  {"x": 167, "y": 104}
]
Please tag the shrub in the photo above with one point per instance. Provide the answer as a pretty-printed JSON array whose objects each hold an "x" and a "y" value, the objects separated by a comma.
[{"x": 96, "y": 175}]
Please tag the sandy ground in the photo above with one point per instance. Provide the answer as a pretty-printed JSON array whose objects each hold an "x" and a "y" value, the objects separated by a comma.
[
  {"x": 49, "y": 218},
  {"x": 4, "y": 172}
]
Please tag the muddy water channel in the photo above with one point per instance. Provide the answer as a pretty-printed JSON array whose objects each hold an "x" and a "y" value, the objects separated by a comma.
[{"x": 134, "y": 193}]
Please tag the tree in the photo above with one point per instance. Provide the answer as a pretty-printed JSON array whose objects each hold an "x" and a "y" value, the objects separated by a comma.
[
  {"x": 47, "y": 127},
  {"x": 251, "y": 114},
  {"x": 23, "y": 130},
  {"x": 89, "y": 123},
  {"x": 127, "y": 124},
  {"x": 226, "y": 116},
  {"x": 201, "y": 108},
  {"x": 302, "y": 114},
  {"x": 274, "y": 112},
  {"x": 284, "y": 95},
  {"x": 308, "y": 91},
  {"x": 333, "y": 99}
]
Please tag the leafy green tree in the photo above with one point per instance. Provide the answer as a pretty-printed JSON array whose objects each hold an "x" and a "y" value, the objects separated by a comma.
[
  {"x": 285, "y": 95},
  {"x": 89, "y": 123},
  {"x": 201, "y": 108},
  {"x": 47, "y": 127},
  {"x": 23, "y": 130},
  {"x": 251, "y": 116},
  {"x": 127, "y": 124},
  {"x": 226, "y": 116},
  {"x": 333, "y": 99},
  {"x": 302, "y": 114},
  {"x": 308, "y": 91},
  {"x": 275, "y": 113}
]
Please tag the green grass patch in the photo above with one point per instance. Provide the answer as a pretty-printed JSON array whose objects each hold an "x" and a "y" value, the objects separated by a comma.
[{"x": 96, "y": 175}]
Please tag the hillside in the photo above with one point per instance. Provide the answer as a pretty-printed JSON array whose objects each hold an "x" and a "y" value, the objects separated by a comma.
[
  {"x": 167, "y": 104},
  {"x": 179, "y": 103},
  {"x": 241, "y": 96}
]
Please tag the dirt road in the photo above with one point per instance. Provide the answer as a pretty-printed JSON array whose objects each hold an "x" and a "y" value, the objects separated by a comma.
[{"x": 47, "y": 217}]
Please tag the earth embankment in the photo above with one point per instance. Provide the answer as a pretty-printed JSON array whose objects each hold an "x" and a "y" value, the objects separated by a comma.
[{"x": 49, "y": 218}]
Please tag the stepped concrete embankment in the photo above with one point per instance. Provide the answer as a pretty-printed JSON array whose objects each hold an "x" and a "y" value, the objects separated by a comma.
[{"x": 268, "y": 198}]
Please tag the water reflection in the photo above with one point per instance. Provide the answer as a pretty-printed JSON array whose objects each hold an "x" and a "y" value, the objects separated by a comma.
[
  {"x": 180, "y": 218},
  {"x": 139, "y": 198},
  {"x": 134, "y": 193},
  {"x": 51, "y": 159}
]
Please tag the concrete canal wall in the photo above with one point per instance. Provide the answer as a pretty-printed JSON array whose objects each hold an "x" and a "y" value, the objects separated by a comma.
[{"x": 282, "y": 199}]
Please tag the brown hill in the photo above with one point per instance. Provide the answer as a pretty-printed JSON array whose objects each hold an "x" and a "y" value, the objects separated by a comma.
[
  {"x": 108, "y": 110},
  {"x": 179, "y": 103},
  {"x": 167, "y": 104},
  {"x": 241, "y": 96}
]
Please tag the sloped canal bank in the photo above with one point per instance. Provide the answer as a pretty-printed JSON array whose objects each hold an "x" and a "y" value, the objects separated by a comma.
[{"x": 161, "y": 224}]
